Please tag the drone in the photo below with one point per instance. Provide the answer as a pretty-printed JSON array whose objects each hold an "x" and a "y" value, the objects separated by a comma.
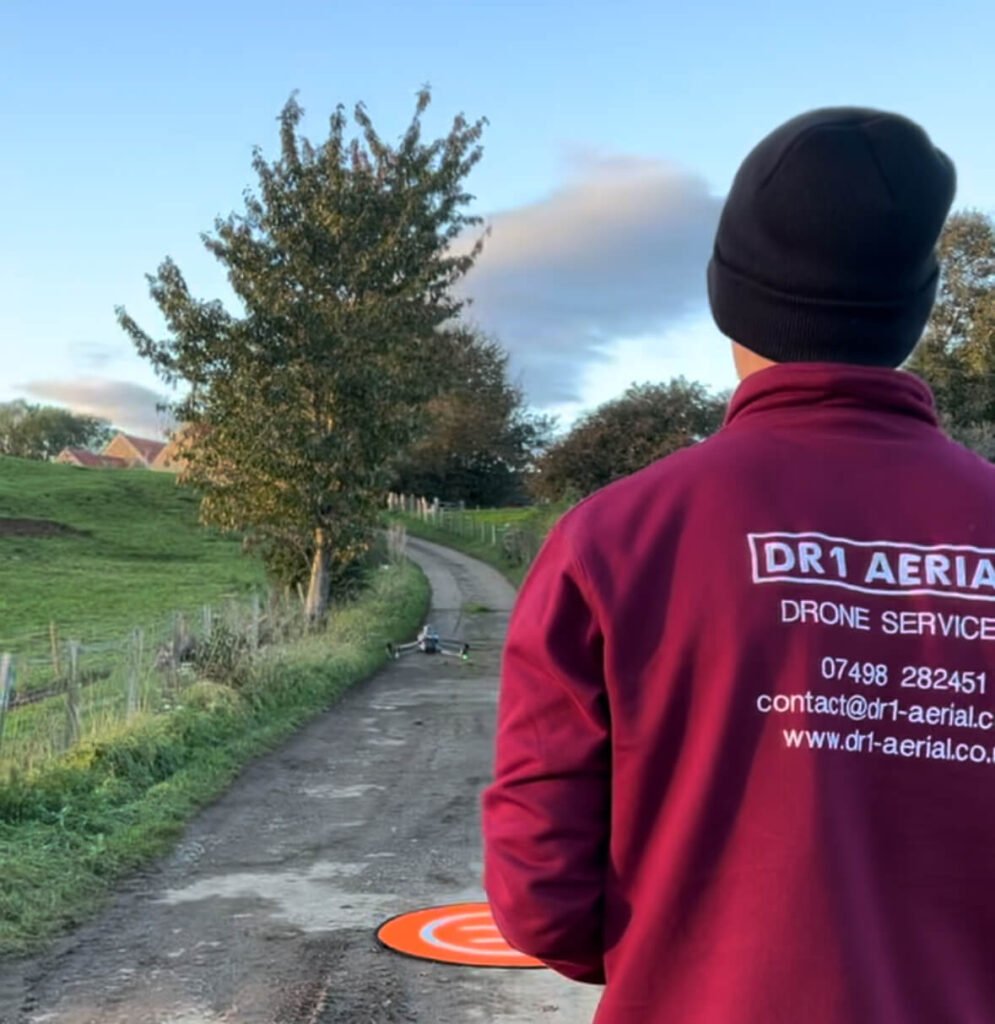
[{"x": 428, "y": 641}]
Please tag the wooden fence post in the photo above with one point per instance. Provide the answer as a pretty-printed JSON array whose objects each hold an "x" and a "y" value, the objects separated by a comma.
[
  {"x": 395, "y": 541},
  {"x": 74, "y": 698},
  {"x": 6, "y": 689},
  {"x": 53, "y": 634},
  {"x": 208, "y": 622},
  {"x": 178, "y": 645},
  {"x": 134, "y": 671},
  {"x": 254, "y": 626}
]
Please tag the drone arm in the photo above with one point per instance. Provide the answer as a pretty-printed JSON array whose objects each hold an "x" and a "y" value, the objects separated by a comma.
[{"x": 396, "y": 650}]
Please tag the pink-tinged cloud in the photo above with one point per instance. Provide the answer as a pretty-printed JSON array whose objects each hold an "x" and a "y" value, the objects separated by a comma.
[
  {"x": 127, "y": 406},
  {"x": 619, "y": 251}
]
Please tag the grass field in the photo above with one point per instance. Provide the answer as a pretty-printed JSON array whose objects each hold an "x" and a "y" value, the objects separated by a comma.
[{"x": 127, "y": 552}]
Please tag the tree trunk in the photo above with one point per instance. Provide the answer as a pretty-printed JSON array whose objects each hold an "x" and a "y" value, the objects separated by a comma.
[{"x": 317, "y": 593}]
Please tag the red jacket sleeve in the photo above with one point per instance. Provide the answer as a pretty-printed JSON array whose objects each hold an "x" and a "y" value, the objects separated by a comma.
[{"x": 546, "y": 815}]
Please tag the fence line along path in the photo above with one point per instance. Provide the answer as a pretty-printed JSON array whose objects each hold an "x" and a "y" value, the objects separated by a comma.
[
  {"x": 56, "y": 693},
  {"x": 518, "y": 543}
]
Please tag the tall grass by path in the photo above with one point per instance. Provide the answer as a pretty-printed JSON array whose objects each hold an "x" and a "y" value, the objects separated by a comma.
[{"x": 70, "y": 829}]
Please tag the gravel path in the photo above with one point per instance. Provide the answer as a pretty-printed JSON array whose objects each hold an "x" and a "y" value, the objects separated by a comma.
[{"x": 265, "y": 913}]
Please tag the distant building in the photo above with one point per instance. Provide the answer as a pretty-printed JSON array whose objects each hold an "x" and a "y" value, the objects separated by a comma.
[
  {"x": 137, "y": 452},
  {"x": 88, "y": 459},
  {"x": 126, "y": 451},
  {"x": 171, "y": 457}
]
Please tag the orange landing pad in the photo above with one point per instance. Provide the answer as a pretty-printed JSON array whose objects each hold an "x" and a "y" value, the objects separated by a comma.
[{"x": 459, "y": 933}]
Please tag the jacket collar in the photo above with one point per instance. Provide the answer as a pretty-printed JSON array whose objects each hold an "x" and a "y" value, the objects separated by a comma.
[{"x": 788, "y": 390}]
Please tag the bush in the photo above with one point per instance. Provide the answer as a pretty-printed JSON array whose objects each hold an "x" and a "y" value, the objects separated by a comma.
[
  {"x": 205, "y": 695},
  {"x": 223, "y": 657}
]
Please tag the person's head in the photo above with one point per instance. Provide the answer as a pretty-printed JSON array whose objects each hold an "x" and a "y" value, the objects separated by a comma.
[{"x": 826, "y": 247}]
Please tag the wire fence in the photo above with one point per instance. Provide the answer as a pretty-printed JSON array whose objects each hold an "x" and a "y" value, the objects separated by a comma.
[
  {"x": 518, "y": 542},
  {"x": 57, "y": 691}
]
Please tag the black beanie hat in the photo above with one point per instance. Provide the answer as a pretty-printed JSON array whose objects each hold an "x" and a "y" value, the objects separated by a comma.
[{"x": 826, "y": 247}]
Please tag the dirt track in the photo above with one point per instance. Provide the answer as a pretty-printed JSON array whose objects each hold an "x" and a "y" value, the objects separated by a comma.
[{"x": 265, "y": 913}]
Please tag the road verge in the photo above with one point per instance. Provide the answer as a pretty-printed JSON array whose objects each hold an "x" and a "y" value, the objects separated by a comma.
[{"x": 70, "y": 830}]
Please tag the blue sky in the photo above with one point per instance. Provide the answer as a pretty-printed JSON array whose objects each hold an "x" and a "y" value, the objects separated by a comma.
[{"x": 615, "y": 130}]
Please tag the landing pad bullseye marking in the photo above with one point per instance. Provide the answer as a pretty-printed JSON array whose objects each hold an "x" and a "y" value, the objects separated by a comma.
[{"x": 460, "y": 933}]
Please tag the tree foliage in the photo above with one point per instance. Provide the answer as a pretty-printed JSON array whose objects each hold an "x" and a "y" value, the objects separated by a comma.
[
  {"x": 42, "y": 431},
  {"x": 626, "y": 434},
  {"x": 957, "y": 353},
  {"x": 343, "y": 264},
  {"x": 479, "y": 436}
]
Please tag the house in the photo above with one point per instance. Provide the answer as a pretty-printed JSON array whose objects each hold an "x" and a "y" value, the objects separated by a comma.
[
  {"x": 171, "y": 459},
  {"x": 127, "y": 451},
  {"x": 91, "y": 460},
  {"x": 136, "y": 452}
]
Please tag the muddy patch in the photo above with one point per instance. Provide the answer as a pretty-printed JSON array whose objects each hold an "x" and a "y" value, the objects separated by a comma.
[{"x": 38, "y": 528}]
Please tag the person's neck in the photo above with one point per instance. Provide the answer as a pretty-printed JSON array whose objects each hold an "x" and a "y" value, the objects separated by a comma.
[{"x": 748, "y": 362}]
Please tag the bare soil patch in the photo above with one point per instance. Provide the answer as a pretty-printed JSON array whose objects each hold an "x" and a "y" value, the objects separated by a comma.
[{"x": 37, "y": 528}]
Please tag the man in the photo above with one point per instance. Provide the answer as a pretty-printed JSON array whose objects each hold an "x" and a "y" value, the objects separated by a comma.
[{"x": 746, "y": 752}]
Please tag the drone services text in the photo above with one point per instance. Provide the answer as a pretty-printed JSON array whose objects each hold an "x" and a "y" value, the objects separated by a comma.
[{"x": 880, "y": 568}]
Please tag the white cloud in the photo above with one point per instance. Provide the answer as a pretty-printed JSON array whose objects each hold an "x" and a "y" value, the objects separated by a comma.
[
  {"x": 618, "y": 251},
  {"x": 126, "y": 405},
  {"x": 693, "y": 349}
]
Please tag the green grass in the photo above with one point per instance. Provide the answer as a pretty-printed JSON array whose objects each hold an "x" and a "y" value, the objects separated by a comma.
[
  {"x": 70, "y": 829},
  {"x": 504, "y": 516},
  {"x": 139, "y": 555}
]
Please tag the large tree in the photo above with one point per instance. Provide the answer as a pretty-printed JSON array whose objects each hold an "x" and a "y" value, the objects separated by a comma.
[
  {"x": 42, "y": 431},
  {"x": 626, "y": 434},
  {"x": 957, "y": 353},
  {"x": 344, "y": 266},
  {"x": 479, "y": 435}
]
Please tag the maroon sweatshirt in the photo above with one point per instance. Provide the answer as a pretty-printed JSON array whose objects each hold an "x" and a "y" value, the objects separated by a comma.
[{"x": 746, "y": 751}]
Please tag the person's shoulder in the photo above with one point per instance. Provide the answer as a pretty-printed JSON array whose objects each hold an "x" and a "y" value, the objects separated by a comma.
[
  {"x": 963, "y": 468},
  {"x": 666, "y": 481},
  {"x": 968, "y": 459}
]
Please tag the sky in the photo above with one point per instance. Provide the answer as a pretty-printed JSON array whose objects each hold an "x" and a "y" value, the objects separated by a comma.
[{"x": 614, "y": 131}]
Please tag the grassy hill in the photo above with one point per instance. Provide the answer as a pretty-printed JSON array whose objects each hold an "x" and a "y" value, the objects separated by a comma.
[{"x": 99, "y": 552}]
